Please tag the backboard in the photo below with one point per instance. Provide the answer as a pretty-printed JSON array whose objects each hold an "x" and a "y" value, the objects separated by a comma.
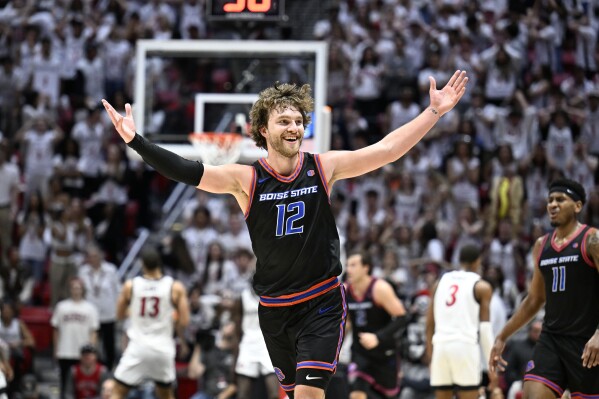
[{"x": 184, "y": 86}]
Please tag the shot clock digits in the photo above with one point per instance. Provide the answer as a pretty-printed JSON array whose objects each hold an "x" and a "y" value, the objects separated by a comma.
[{"x": 267, "y": 10}]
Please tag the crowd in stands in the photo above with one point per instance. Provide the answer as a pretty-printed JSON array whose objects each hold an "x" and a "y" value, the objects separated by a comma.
[{"x": 71, "y": 201}]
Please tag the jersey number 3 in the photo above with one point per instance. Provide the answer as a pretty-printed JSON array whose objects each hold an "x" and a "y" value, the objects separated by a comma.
[
  {"x": 287, "y": 216},
  {"x": 452, "y": 295},
  {"x": 150, "y": 306}
]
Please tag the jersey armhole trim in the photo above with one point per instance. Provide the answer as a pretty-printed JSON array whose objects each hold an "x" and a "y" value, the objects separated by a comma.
[
  {"x": 251, "y": 193},
  {"x": 130, "y": 294},
  {"x": 538, "y": 260},
  {"x": 172, "y": 299},
  {"x": 322, "y": 176},
  {"x": 585, "y": 256},
  {"x": 474, "y": 291},
  {"x": 370, "y": 290}
]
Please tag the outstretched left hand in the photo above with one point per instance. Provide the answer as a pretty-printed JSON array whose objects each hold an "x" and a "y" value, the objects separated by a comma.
[
  {"x": 445, "y": 99},
  {"x": 590, "y": 355}
]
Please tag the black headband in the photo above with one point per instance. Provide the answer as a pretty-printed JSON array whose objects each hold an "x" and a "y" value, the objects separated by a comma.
[{"x": 566, "y": 190}]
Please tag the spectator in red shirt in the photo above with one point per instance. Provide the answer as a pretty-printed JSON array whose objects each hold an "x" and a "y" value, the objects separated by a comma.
[{"x": 88, "y": 375}]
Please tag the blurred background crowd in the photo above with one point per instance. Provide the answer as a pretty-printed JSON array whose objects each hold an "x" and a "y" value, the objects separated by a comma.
[{"x": 72, "y": 204}]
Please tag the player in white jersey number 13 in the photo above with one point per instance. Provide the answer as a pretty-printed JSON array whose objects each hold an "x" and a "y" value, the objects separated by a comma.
[{"x": 151, "y": 301}]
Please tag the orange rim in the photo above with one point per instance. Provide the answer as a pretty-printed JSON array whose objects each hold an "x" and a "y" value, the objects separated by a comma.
[
  {"x": 217, "y": 148},
  {"x": 215, "y": 137}
]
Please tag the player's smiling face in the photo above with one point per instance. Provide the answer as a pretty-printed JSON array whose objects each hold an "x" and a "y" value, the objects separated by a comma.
[{"x": 285, "y": 131}]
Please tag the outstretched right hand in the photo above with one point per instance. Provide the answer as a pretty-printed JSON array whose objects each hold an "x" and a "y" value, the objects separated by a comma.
[
  {"x": 496, "y": 362},
  {"x": 445, "y": 99},
  {"x": 125, "y": 125}
]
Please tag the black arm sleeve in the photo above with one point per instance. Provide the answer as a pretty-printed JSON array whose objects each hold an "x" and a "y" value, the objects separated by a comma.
[
  {"x": 393, "y": 330},
  {"x": 168, "y": 163}
]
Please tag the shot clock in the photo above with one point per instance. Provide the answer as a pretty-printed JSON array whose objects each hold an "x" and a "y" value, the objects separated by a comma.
[{"x": 250, "y": 10}]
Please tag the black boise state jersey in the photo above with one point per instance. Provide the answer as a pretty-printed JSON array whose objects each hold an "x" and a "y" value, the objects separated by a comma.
[
  {"x": 571, "y": 286},
  {"x": 293, "y": 231},
  {"x": 367, "y": 316}
]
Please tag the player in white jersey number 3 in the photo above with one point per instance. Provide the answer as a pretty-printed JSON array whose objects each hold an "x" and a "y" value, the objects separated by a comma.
[
  {"x": 151, "y": 302},
  {"x": 458, "y": 318}
]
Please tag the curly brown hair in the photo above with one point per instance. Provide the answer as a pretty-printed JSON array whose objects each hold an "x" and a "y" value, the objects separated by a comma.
[{"x": 279, "y": 97}]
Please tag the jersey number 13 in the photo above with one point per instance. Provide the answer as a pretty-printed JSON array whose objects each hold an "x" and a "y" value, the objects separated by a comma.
[{"x": 150, "y": 306}]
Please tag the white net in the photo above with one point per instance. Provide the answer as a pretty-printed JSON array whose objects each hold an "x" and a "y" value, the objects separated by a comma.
[{"x": 217, "y": 148}]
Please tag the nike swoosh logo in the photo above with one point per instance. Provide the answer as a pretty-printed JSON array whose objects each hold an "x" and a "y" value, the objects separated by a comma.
[
  {"x": 324, "y": 310},
  {"x": 313, "y": 378},
  {"x": 260, "y": 181}
]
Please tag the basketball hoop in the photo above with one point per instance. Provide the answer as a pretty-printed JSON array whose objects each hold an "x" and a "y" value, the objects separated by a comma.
[{"x": 217, "y": 148}]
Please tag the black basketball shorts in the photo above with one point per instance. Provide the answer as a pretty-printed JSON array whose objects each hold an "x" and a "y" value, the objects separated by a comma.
[
  {"x": 556, "y": 363},
  {"x": 304, "y": 339},
  {"x": 377, "y": 374}
]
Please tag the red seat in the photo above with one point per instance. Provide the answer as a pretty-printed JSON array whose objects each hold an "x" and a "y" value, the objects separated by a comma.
[
  {"x": 41, "y": 291},
  {"x": 37, "y": 318},
  {"x": 131, "y": 211},
  {"x": 186, "y": 387},
  {"x": 24, "y": 365}
]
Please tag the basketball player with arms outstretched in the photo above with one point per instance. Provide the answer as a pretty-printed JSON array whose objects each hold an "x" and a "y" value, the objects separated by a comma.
[{"x": 285, "y": 199}]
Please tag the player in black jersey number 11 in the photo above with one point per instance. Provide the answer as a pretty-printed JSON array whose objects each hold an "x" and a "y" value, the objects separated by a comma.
[{"x": 566, "y": 281}]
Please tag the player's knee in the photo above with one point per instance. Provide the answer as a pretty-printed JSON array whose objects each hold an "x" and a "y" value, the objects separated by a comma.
[{"x": 308, "y": 392}]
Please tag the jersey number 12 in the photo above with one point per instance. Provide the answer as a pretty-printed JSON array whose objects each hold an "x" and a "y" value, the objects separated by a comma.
[{"x": 287, "y": 215}]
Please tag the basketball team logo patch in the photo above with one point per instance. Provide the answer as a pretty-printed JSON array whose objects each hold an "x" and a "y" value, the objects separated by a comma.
[
  {"x": 530, "y": 365},
  {"x": 310, "y": 172},
  {"x": 279, "y": 374}
]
